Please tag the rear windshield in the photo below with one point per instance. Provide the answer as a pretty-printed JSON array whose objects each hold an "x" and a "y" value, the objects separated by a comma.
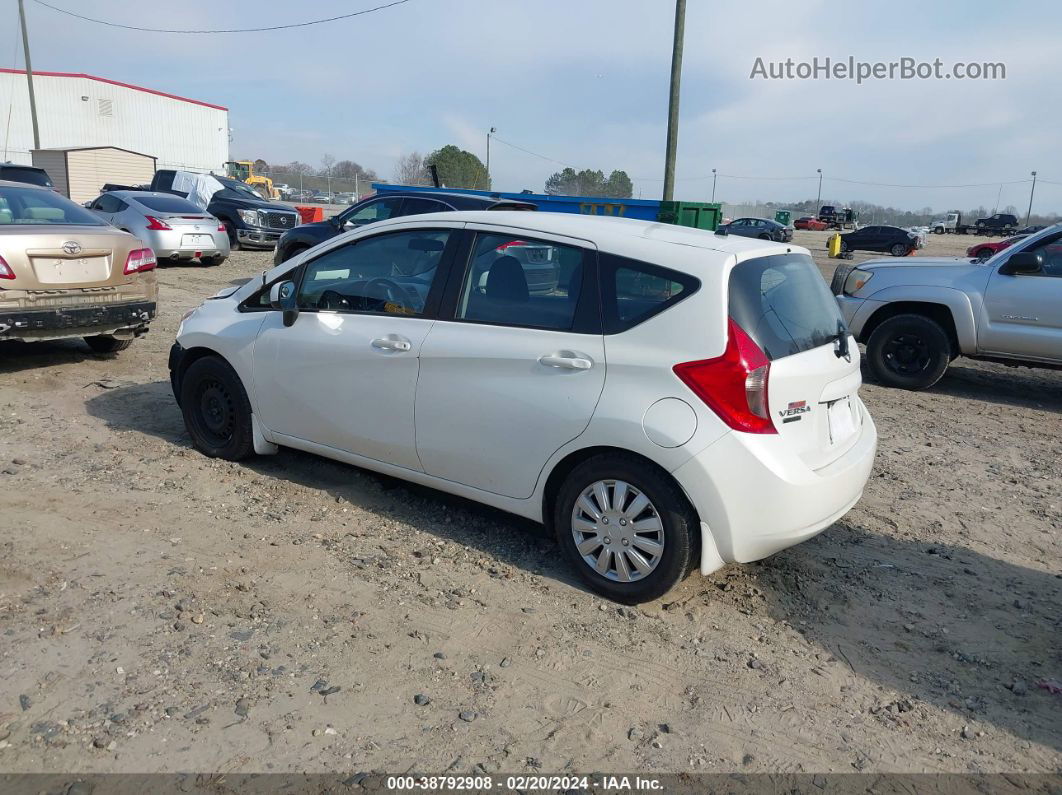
[
  {"x": 783, "y": 303},
  {"x": 25, "y": 206},
  {"x": 168, "y": 204},
  {"x": 33, "y": 176}
]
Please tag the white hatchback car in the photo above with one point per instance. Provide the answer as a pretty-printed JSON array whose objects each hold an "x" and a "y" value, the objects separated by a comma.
[{"x": 679, "y": 399}]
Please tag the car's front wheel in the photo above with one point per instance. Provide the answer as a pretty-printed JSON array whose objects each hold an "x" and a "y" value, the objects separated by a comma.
[
  {"x": 216, "y": 410},
  {"x": 626, "y": 527},
  {"x": 908, "y": 352},
  {"x": 899, "y": 250},
  {"x": 105, "y": 343},
  {"x": 234, "y": 239}
]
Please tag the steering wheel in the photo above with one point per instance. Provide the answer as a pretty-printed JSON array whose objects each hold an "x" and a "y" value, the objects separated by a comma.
[
  {"x": 393, "y": 292},
  {"x": 330, "y": 299}
]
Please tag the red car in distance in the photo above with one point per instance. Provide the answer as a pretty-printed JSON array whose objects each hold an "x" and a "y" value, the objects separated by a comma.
[
  {"x": 809, "y": 222},
  {"x": 982, "y": 251}
]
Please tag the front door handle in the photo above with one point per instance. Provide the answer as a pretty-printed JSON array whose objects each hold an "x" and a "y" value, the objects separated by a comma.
[
  {"x": 392, "y": 343},
  {"x": 566, "y": 361}
]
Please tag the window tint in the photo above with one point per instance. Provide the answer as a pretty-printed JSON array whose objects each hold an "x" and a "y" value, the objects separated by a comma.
[
  {"x": 389, "y": 274},
  {"x": 107, "y": 203},
  {"x": 521, "y": 282},
  {"x": 168, "y": 204},
  {"x": 378, "y": 210},
  {"x": 419, "y": 206},
  {"x": 39, "y": 206},
  {"x": 633, "y": 291},
  {"x": 783, "y": 304}
]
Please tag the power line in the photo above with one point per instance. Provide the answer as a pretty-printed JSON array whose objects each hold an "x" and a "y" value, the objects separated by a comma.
[
  {"x": 892, "y": 185},
  {"x": 227, "y": 30}
]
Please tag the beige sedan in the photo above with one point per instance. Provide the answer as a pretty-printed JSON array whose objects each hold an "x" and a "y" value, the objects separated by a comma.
[{"x": 64, "y": 272}]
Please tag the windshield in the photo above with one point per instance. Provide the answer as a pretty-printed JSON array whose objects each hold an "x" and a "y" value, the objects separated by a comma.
[
  {"x": 25, "y": 206},
  {"x": 32, "y": 176},
  {"x": 783, "y": 303},
  {"x": 237, "y": 190}
]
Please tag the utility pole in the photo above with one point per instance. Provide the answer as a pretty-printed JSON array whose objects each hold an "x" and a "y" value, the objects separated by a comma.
[
  {"x": 673, "y": 104},
  {"x": 1032, "y": 190},
  {"x": 491, "y": 130},
  {"x": 714, "y": 175},
  {"x": 819, "y": 197},
  {"x": 29, "y": 74}
]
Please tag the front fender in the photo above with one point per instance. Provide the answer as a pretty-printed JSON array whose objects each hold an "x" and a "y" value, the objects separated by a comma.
[{"x": 956, "y": 301}]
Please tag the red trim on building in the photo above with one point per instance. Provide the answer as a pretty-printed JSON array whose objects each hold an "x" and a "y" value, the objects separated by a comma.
[{"x": 114, "y": 83}]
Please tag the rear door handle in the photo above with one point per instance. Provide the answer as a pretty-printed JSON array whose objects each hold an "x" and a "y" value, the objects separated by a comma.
[
  {"x": 571, "y": 362},
  {"x": 392, "y": 343}
]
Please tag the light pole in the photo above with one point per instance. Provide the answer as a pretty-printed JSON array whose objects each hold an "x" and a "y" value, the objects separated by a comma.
[
  {"x": 673, "y": 103},
  {"x": 819, "y": 197},
  {"x": 29, "y": 74},
  {"x": 714, "y": 175},
  {"x": 491, "y": 130},
  {"x": 1032, "y": 190}
]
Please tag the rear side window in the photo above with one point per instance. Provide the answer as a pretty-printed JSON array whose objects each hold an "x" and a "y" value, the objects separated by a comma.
[
  {"x": 633, "y": 291},
  {"x": 168, "y": 204},
  {"x": 783, "y": 303}
]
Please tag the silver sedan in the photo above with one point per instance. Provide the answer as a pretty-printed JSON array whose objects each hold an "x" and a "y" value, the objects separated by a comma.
[{"x": 176, "y": 229}]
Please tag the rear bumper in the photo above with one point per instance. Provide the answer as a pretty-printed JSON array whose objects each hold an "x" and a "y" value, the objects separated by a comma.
[
  {"x": 131, "y": 317},
  {"x": 171, "y": 245},
  {"x": 757, "y": 497}
]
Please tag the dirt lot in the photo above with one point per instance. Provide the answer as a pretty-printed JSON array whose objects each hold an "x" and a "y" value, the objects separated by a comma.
[{"x": 160, "y": 611}]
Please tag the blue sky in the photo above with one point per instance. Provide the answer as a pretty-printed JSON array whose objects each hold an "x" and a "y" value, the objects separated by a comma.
[{"x": 585, "y": 82}]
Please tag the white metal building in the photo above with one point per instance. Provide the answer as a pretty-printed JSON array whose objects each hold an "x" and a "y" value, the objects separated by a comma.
[{"x": 78, "y": 110}]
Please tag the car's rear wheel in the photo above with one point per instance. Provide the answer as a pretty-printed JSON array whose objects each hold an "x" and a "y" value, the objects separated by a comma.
[
  {"x": 216, "y": 410},
  {"x": 899, "y": 250},
  {"x": 105, "y": 343},
  {"x": 626, "y": 527},
  {"x": 908, "y": 352}
]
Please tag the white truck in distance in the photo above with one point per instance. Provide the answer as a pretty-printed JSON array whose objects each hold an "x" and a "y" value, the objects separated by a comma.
[{"x": 916, "y": 316}]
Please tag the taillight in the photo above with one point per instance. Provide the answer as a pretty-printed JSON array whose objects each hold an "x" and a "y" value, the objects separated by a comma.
[
  {"x": 733, "y": 385},
  {"x": 156, "y": 224},
  {"x": 221, "y": 227},
  {"x": 5, "y": 270},
  {"x": 139, "y": 260}
]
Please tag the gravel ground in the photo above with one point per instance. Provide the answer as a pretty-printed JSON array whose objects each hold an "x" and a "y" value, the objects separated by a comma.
[{"x": 160, "y": 611}]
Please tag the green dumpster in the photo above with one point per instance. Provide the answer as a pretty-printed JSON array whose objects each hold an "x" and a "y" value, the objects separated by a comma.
[
  {"x": 699, "y": 215},
  {"x": 783, "y": 217}
]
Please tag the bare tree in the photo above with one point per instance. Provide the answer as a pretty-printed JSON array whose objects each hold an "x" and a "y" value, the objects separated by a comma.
[
  {"x": 327, "y": 161},
  {"x": 410, "y": 170}
]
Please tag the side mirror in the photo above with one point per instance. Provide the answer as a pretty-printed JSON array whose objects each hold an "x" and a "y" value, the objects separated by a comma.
[
  {"x": 282, "y": 297},
  {"x": 1022, "y": 262}
]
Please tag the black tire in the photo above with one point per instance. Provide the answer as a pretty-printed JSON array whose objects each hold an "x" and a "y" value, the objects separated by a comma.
[
  {"x": 765, "y": 236},
  {"x": 983, "y": 254},
  {"x": 908, "y": 352},
  {"x": 681, "y": 529},
  {"x": 104, "y": 343},
  {"x": 234, "y": 240},
  {"x": 292, "y": 252},
  {"x": 899, "y": 250},
  {"x": 845, "y": 248},
  {"x": 216, "y": 410}
]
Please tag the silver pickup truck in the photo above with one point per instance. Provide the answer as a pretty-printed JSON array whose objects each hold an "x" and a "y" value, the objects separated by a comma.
[{"x": 918, "y": 314}]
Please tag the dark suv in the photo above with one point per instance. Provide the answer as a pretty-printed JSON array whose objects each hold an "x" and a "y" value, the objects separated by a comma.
[
  {"x": 379, "y": 208},
  {"x": 31, "y": 175},
  {"x": 998, "y": 224}
]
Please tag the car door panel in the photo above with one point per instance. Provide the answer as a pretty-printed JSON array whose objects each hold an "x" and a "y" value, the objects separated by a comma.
[
  {"x": 496, "y": 400},
  {"x": 1022, "y": 313}
]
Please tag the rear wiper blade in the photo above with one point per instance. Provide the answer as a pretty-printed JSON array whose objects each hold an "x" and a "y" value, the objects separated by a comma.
[{"x": 841, "y": 340}]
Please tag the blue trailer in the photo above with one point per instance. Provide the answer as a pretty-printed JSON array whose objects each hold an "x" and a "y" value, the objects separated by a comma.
[{"x": 642, "y": 209}]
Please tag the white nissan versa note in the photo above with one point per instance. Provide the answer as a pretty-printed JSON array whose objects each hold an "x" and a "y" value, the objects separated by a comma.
[{"x": 680, "y": 399}]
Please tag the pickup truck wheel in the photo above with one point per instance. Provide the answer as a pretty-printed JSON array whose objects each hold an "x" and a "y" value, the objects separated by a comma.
[
  {"x": 234, "y": 240},
  {"x": 908, "y": 352}
]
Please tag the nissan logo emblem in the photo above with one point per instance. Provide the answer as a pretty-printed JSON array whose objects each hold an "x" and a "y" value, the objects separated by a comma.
[{"x": 72, "y": 247}]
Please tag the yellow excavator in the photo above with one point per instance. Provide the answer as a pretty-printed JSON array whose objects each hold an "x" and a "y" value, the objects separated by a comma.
[{"x": 243, "y": 170}]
